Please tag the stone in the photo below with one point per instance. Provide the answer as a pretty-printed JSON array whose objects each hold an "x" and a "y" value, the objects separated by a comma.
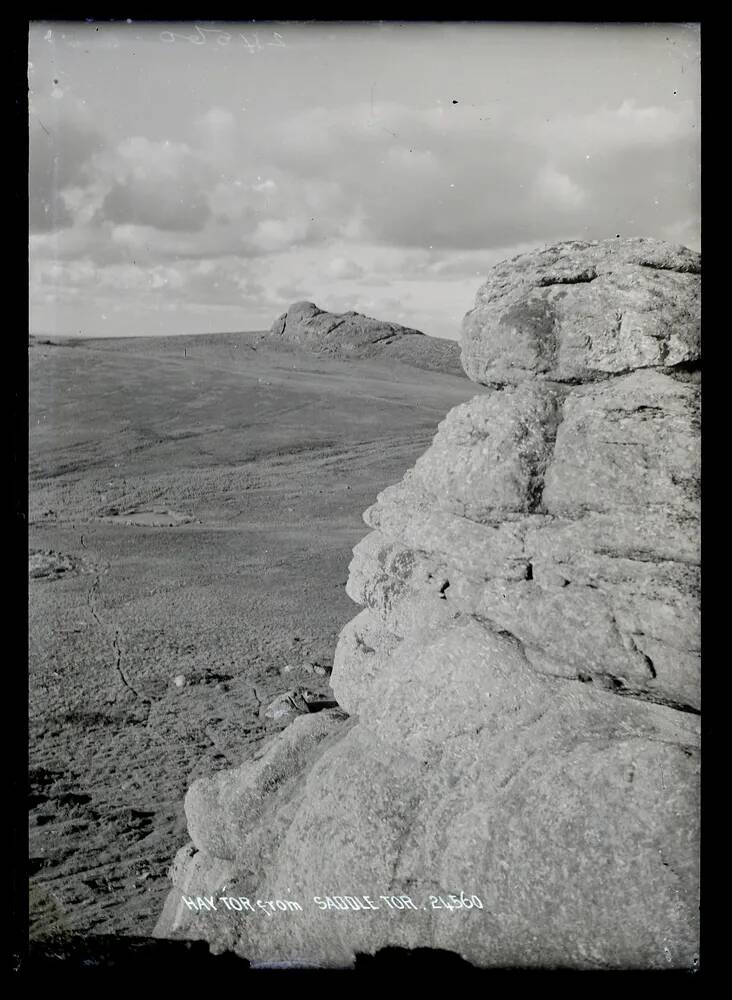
[
  {"x": 50, "y": 565},
  {"x": 292, "y": 702},
  {"x": 353, "y": 336},
  {"x": 364, "y": 645},
  {"x": 399, "y": 805},
  {"x": 223, "y": 810},
  {"x": 632, "y": 443},
  {"x": 523, "y": 677},
  {"x": 578, "y": 311},
  {"x": 490, "y": 454},
  {"x": 308, "y": 666}
]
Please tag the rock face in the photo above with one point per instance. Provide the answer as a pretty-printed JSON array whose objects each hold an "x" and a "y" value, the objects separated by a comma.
[
  {"x": 352, "y": 336},
  {"x": 582, "y": 311},
  {"x": 522, "y": 684}
]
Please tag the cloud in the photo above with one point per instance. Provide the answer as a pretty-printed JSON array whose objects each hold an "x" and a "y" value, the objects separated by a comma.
[
  {"x": 158, "y": 184},
  {"x": 607, "y": 130},
  {"x": 289, "y": 294},
  {"x": 46, "y": 213},
  {"x": 341, "y": 268},
  {"x": 558, "y": 189},
  {"x": 441, "y": 176},
  {"x": 61, "y": 148},
  {"x": 392, "y": 209},
  {"x": 457, "y": 179},
  {"x": 219, "y": 238},
  {"x": 381, "y": 306},
  {"x": 216, "y": 122},
  {"x": 149, "y": 203},
  {"x": 212, "y": 282},
  {"x": 279, "y": 234}
]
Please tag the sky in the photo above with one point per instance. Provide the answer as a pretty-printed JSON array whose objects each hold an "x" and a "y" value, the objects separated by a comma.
[{"x": 200, "y": 177}]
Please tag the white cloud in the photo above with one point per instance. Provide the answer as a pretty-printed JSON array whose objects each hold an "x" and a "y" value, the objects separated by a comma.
[
  {"x": 160, "y": 184},
  {"x": 396, "y": 206},
  {"x": 279, "y": 234},
  {"x": 607, "y": 130},
  {"x": 218, "y": 120},
  {"x": 558, "y": 189},
  {"x": 63, "y": 140},
  {"x": 341, "y": 267}
]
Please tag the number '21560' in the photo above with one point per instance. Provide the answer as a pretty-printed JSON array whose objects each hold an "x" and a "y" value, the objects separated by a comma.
[{"x": 461, "y": 902}]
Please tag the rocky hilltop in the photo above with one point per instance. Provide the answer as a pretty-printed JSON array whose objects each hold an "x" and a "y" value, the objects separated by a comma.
[
  {"x": 519, "y": 697},
  {"x": 353, "y": 336}
]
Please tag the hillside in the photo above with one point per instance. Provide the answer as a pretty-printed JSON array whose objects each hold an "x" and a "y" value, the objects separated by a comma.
[
  {"x": 193, "y": 504},
  {"x": 353, "y": 336}
]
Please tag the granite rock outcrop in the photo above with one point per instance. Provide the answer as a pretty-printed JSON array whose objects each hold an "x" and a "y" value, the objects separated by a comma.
[
  {"x": 352, "y": 336},
  {"x": 520, "y": 693}
]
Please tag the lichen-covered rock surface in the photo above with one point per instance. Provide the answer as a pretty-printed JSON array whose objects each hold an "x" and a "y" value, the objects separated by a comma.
[{"x": 522, "y": 685}]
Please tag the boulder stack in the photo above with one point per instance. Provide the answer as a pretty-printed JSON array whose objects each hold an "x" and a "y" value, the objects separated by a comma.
[{"x": 519, "y": 758}]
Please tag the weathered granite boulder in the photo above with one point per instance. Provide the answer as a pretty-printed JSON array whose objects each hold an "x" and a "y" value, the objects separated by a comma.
[
  {"x": 523, "y": 680},
  {"x": 354, "y": 336},
  {"x": 579, "y": 311}
]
